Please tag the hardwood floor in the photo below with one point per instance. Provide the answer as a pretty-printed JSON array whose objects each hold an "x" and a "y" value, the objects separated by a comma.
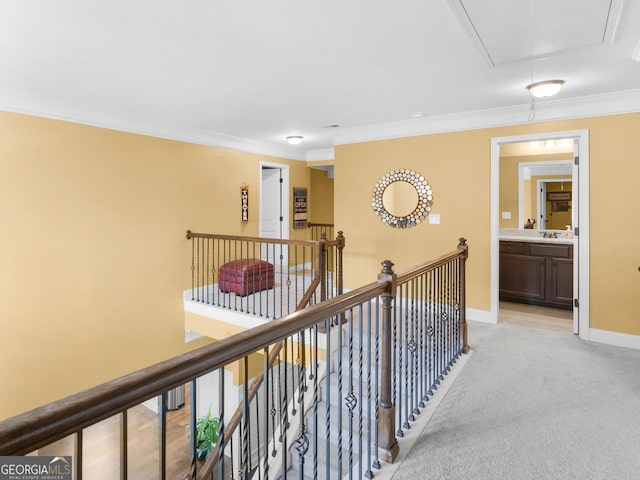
[
  {"x": 537, "y": 317},
  {"x": 101, "y": 446}
]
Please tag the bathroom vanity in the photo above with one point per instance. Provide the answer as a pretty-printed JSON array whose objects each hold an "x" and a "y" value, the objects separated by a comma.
[{"x": 537, "y": 270}]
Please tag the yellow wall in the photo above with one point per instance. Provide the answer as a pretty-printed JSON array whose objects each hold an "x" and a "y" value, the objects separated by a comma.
[
  {"x": 93, "y": 254},
  {"x": 458, "y": 166},
  {"x": 94, "y": 259},
  {"x": 320, "y": 197}
]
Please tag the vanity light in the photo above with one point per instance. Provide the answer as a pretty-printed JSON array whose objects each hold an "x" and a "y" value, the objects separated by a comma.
[
  {"x": 534, "y": 146},
  {"x": 547, "y": 88},
  {"x": 550, "y": 144},
  {"x": 294, "y": 139}
]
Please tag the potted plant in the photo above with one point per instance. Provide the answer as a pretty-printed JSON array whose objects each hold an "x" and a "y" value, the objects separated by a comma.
[{"x": 206, "y": 434}]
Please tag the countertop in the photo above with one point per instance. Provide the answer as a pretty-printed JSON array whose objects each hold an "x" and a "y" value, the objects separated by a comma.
[{"x": 534, "y": 236}]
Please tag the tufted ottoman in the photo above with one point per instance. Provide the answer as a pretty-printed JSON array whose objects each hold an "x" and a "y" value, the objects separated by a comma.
[{"x": 246, "y": 276}]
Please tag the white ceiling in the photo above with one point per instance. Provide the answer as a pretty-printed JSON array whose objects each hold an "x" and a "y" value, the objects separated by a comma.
[{"x": 245, "y": 74}]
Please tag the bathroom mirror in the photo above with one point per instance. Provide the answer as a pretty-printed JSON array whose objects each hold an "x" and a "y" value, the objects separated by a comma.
[
  {"x": 402, "y": 198},
  {"x": 527, "y": 176}
]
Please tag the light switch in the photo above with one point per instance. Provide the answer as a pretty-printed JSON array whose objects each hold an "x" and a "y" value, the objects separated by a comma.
[
  {"x": 506, "y": 215},
  {"x": 434, "y": 219}
]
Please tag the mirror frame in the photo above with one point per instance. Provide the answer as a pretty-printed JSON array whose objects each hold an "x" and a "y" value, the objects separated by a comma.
[{"x": 422, "y": 188}]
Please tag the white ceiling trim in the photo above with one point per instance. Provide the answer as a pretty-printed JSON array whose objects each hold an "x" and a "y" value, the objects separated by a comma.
[
  {"x": 209, "y": 139},
  {"x": 613, "y": 20},
  {"x": 549, "y": 110},
  {"x": 470, "y": 30}
]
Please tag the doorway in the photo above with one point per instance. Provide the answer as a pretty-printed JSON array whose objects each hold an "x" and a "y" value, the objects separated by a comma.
[
  {"x": 580, "y": 192},
  {"x": 274, "y": 199}
]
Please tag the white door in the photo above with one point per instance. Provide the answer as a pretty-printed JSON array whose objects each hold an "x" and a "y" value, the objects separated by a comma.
[
  {"x": 271, "y": 203},
  {"x": 273, "y": 219}
]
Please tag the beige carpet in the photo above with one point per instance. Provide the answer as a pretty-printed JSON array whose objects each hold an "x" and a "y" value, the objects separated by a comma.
[{"x": 534, "y": 404}]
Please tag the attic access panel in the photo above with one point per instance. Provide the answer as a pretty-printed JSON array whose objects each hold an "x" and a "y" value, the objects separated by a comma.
[{"x": 501, "y": 30}]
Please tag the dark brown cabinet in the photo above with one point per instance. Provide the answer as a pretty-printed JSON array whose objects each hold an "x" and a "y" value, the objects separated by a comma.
[{"x": 537, "y": 273}]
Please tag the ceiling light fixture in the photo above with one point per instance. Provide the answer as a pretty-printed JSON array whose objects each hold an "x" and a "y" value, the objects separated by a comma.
[
  {"x": 294, "y": 139},
  {"x": 547, "y": 88}
]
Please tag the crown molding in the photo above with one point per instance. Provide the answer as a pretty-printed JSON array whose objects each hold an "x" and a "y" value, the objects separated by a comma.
[
  {"x": 211, "y": 139},
  {"x": 547, "y": 110}
]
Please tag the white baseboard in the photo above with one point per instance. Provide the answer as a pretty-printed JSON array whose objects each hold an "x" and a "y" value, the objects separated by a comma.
[
  {"x": 483, "y": 316},
  {"x": 614, "y": 338}
]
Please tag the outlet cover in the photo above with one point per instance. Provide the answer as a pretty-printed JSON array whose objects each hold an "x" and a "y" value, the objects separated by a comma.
[
  {"x": 506, "y": 215},
  {"x": 434, "y": 219}
]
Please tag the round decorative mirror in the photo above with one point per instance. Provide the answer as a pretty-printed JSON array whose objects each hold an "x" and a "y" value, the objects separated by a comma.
[{"x": 402, "y": 198}]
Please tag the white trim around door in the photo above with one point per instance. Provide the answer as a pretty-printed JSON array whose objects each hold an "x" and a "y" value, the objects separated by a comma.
[{"x": 581, "y": 246}]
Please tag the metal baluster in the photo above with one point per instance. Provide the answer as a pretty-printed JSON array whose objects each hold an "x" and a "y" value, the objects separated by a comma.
[
  {"x": 198, "y": 241},
  {"x": 414, "y": 339},
  {"x": 327, "y": 382},
  {"x": 368, "y": 473},
  {"x": 265, "y": 406},
  {"x": 360, "y": 388},
  {"x": 221, "y": 426},
  {"x": 315, "y": 398},
  {"x": 246, "y": 420},
  {"x": 205, "y": 269},
  {"x": 339, "y": 396},
  {"x": 376, "y": 458},
  {"x": 284, "y": 414},
  {"x": 407, "y": 369},
  {"x": 403, "y": 348},
  {"x": 193, "y": 268},
  {"x": 192, "y": 428},
  {"x": 257, "y": 439},
  {"x": 124, "y": 454},
  {"x": 79, "y": 454},
  {"x": 162, "y": 418},
  {"x": 302, "y": 442},
  {"x": 350, "y": 400},
  {"x": 421, "y": 334},
  {"x": 273, "y": 410},
  {"x": 431, "y": 334}
]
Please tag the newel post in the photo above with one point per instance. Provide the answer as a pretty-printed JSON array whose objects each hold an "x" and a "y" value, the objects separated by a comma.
[
  {"x": 464, "y": 248},
  {"x": 388, "y": 445}
]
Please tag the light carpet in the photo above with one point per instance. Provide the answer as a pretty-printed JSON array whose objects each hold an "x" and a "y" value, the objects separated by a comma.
[{"x": 534, "y": 404}]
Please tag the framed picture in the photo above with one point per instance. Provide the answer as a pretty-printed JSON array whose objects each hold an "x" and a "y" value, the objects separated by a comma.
[
  {"x": 299, "y": 207},
  {"x": 553, "y": 196},
  {"x": 560, "y": 206}
]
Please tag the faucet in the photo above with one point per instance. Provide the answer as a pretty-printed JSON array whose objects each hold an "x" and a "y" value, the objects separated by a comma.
[{"x": 550, "y": 234}]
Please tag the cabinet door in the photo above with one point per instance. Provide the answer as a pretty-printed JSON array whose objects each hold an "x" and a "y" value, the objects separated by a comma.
[
  {"x": 522, "y": 277},
  {"x": 560, "y": 286}
]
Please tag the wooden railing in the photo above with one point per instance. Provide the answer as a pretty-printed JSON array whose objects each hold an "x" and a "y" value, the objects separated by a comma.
[
  {"x": 317, "y": 229},
  {"x": 391, "y": 343},
  {"x": 278, "y": 272}
]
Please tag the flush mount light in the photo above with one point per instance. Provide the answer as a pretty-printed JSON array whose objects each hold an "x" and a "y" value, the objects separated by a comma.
[
  {"x": 547, "y": 88},
  {"x": 294, "y": 139}
]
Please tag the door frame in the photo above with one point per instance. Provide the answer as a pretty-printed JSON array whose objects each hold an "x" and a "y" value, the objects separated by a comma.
[
  {"x": 284, "y": 199},
  {"x": 581, "y": 246}
]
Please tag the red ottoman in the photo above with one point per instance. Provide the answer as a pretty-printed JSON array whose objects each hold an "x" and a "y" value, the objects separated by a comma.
[{"x": 246, "y": 276}]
